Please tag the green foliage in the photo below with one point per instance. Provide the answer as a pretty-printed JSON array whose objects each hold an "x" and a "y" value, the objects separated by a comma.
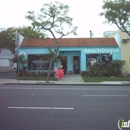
[
  {"x": 86, "y": 73},
  {"x": 36, "y": 74},
  {"x": 126, "y": 73},
  {"x": 101, "y": 79},
  {"x": 98, "y": 70},
  {"x": 57, "y": 58},
  {"x": 117, "y": 12},
  {"x": 42, "y": 74},
  {"x": 110, "y": 69},
  {"x": 30, "y": 32},
  {"x": 7, "y": 36},
  {"x": 53, "y": 18},
  {"x": 15, "y": 59},
  {"x": 21, "y": 61}
]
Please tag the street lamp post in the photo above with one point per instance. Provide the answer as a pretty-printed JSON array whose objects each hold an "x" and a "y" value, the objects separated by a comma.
[
  {"x": 18, "y": 40},
  {"x": 17, "y": 46},
  {"x": 18, "y": 63}
]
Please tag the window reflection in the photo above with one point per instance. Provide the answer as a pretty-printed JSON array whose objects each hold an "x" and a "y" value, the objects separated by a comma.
[
  {"x": 93, "y": 59},
  {"x": 38, "y": 62}
]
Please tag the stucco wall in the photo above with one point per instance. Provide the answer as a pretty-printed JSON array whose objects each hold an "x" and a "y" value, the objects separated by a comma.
[
  {"x": 125, "y": 51},
  {"x": 75, "y": 51},
  {"x": 124, "y": 47}
]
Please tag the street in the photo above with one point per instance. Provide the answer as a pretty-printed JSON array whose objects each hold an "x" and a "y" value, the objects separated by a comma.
[{"x": 65, "y": 107}]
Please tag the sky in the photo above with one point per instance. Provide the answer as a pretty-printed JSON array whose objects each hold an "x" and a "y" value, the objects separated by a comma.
[{"x": 85, "y": 15}]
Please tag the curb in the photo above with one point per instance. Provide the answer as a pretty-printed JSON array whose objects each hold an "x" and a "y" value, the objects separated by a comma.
[{"x": 55, "y": 84}]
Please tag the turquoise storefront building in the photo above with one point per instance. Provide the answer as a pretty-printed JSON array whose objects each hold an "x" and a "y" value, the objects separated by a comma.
[{"x": 80, "y": 53}]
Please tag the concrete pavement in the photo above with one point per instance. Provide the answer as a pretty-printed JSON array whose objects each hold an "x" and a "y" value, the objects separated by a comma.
[{"x": 67, "y": 79}]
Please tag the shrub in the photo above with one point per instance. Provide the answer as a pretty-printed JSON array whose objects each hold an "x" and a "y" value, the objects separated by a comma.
[
  {"x": 109, "y": 69},
  {"x": 85, "y": 73},
  {"x": 39, "y": 74},
  {"x": 98, "y": 70},
  {"x": 52, "y": 74},
  {"x": 42, "y": 74}
]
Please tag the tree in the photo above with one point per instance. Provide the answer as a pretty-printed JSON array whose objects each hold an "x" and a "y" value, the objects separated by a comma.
[
  {"x": 7, "y": 36},
  {"x": 53, "y": 18},
  {"x": 117, "y": 12},
  {"x": 57, "y": 58},
  {"x": 16, "y": 59},
  {"x": 30, "y": 32}
]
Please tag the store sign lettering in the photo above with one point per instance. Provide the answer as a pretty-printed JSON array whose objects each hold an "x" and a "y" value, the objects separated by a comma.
[
  {"x": 100, "y": 50},
  {"x": 42, "y": 51}
]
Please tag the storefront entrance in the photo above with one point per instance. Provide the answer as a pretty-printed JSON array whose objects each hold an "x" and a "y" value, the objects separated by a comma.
[
  {"x": 71, "y": 64},
  {"x": 76, "y": 64},
  {"x": 64, "y": 64}
]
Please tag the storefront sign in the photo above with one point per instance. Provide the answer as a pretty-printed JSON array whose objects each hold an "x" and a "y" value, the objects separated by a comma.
[
  {"x": 100, "y": 50},
  {"x": 38, "y": 51}
]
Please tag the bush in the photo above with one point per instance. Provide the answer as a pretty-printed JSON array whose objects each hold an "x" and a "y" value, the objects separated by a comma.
[
  {"x": 98, "y": 70},
  {"x": 42, "y": 74},
  {"x": 30, "y": 74},
  {"x": 38, "y": 74},
  {"x": 109, "y": 69},
  {"x": 86, "y": 73},
  {"x": 52, "y": 74}
]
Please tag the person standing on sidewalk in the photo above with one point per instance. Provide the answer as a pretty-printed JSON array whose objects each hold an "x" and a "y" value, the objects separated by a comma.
[{"x": 60, "y": 71}]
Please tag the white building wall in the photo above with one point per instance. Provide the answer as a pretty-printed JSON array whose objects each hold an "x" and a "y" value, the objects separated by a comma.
[{"x": 5, "y": 56}]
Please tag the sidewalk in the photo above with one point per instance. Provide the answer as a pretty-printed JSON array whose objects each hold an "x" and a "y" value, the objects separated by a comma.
[{"x": 67, "y": 80}]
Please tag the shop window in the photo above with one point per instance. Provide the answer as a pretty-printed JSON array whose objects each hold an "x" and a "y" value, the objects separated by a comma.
[
  {"x": 93, "y": 59},
  {"x": 38, "y": 62}
]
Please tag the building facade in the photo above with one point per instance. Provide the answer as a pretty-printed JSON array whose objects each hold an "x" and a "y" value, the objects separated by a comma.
[
  {"x": 123, "y": 40},
  {"x": 80, "y": 53},
  {"x": 5, "y": 57}
]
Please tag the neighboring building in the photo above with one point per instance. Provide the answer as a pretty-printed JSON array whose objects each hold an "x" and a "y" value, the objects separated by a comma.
[
  {"x": 124, "y": 44},
  {"x": 108, "y": 33},
  {"x": 80, "y": 53},
  {"x": 5, "y": 57}
]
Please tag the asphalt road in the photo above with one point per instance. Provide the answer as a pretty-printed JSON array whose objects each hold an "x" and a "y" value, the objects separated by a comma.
[{"x": 33, "y": 107}]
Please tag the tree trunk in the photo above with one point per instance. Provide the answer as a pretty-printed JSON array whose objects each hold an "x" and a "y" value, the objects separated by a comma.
[
  {"x": 49, "y": 70},
  {"x": 51, "y": 63}
]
